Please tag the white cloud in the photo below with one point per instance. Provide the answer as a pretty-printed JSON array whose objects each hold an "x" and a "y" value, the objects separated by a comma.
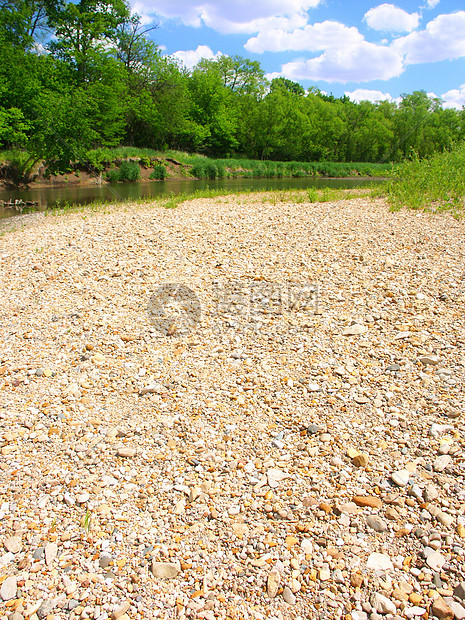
[
  {"x": 389, "y": 18},
  {"x": 190, "y": 58},
  {"x": 364, "y": 94},
  {"x": 232, "y": 16},
  {"x": 358, "y": 63},
  {"x": 431, "y": 4},
  {"x": 454, "y": 98},
  {"x": 312, "y": 38},
  {"x": 443, "y": 39}
]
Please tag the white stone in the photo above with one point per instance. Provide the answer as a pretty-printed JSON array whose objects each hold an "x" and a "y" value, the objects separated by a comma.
[{"x": 379, "y": 561}]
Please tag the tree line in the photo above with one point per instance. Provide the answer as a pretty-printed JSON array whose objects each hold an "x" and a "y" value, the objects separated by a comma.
[{"x": 80, "y": 75}]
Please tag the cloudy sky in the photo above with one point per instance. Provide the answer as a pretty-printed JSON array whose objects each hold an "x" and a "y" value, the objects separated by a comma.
[{"x": 365, "y": 49}]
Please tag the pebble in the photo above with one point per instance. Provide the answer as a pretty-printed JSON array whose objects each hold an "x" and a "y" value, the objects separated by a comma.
[
  {"x": 13, "y": 544},
  {"x": 289, "y": 596},
  {"x": 382, "y": 604},
  {"x": 126, "y": 452},
  {"x": 272, "y": 584},
  {"x": 354, "y": 330},
  {"x": 436, "y": 561},
  {"x": 442, "y": 462},
  {"x": 165, "y": 570},
  {"x": 401, "y": 477},
  {"x": 441, "y": 610},
  {"x": 8, "y": 589},
  {"x": 379, "y": 561},
  {"x": 376, "y": 523}
]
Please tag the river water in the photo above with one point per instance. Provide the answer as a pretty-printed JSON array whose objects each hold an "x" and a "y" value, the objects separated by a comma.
[{"x": 48, "y": 197}]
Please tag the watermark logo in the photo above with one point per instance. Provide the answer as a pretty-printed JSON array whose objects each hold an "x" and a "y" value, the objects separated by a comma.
[{"x": 175, "y": 309}]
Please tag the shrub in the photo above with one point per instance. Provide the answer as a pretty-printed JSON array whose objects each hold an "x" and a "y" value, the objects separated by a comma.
[
  {"x": 129, "y": 171},
  {"x": 159, "y": 172},
  {"x": 112, "y": 176}
]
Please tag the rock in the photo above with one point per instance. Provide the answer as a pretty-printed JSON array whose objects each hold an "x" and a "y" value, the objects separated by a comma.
[
  {"x": 430, "y": 493},
  {"x": 82, "y": 498},
  {"x": 436, "y": 561},
  {"x": 382, "y": 604},
  {"x": 13, "y": 544},
  {"x": 120, "y": 610},
  {"x": 438, "y": 429},
  {"x": 441, "y": 610},
  {"x": 376, "y": 523},
  {"x": 275, "y": 476},
  {"x": 401, "y": 477},
  {"x": 360, "y": 460},
  {"x": 51, "y": 550},
  {"x": 126, "y": 452},
  {"x": 457, "y": 609},
  {"x": 8, "y": 589},
  {"x": 289, "y": 596},
  {"x": 429, "y": 360},
  {"x": 414, "y": 612},
  {"x": 272, "y": 584},
  {"x": 165, "y": 570},
  {"x": 368, "y": 501},
  {"x": 442, "y": 462},
  {"x": 379, "y": 561},
  {"x": 324, "y": 574},
  {"x": 459, "y": 591},
  {"x": 46, "y": 608},
  {"x": 354, "y": 330},
  {"x": 314, "y": 429}
]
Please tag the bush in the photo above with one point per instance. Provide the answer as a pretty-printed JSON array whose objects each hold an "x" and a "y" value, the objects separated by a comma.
[
  {"x": 159, "y": 172},
  {"x": 129, "y": 171},
  {"x": 112, "y": 176}
]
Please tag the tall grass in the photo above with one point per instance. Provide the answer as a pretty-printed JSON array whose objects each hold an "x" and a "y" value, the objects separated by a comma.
[{"x": 435, "y": 183}]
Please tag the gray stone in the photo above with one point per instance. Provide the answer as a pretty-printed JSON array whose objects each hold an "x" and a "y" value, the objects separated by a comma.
[
  {"x": 376, "y": 523},
  {"x": 46, "y": 608},
  {"x": 8, "y": 589},
  {"x": 459, "y": 591}
]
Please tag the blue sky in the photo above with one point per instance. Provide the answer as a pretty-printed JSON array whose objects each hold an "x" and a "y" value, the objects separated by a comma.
[{"x": 366, "y": 49}]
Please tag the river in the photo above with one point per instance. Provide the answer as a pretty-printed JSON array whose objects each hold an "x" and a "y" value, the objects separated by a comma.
[{"x": 53, "y": 196}]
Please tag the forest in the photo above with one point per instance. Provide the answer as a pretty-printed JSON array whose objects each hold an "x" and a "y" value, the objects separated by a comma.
[{"x": 76, "y": 76}]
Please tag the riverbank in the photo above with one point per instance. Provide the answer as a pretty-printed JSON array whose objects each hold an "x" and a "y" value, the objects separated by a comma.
[
  {"x": 278, "y": 434},
  {"x": 133, "y": 164}
]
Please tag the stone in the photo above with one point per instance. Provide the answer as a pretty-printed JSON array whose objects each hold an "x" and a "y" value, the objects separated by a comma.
[
  {"x": 360, "y": 460},
  {"x": 165, "y": 570},
  {"x": 369, "y": 501},
  {"x": 46, "y": 608},
  {"x": 376, "y": 523},
  {"x": 442, "y": 462},
  {"x": 457, "y": 609},
  {"x": 441, "y": 610},
  {"x": 51, "y": 550},
  {"x": 382, "y": 604},
  {"x": 120, "y": 610},
  {"x": 126, "y": 452},
  {"x": 13, "y": 544},
  {"x": 275, "y": 476},
  {"x": 401, "y": 477},
  {"x": 379, "y": 561},
  {"x": 429, "y": 360},
  {"x": 289, "y": 596},
  {"x": 8, "y": 589},
  {"x": 354, "y": 330},
  {"x": 414, "y": 612},
  {"x": 459, "y": 591},
  {"x": 272, "y": 584},
  {"x": 436, "y": 561}
]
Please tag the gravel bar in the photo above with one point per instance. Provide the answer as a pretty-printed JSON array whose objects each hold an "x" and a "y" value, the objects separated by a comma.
[{"x": 241, "y": 408}]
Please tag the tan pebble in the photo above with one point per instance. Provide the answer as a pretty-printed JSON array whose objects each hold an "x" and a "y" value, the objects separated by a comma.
[
  {"x": 415, "y": 598},
  {"x": 441, "y": 610},
  {"x": 360, "y": 460},
  {"x": 356, "y": 580},
  {"x": 120, "y": 610},
  {"x": 291, "y": 541},
  {"x": 126, "y": 452},
  {"x": 461, "y": 530}
]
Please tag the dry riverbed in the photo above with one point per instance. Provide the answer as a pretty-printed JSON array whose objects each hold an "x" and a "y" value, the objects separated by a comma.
[{"x": 277, "y": 434}]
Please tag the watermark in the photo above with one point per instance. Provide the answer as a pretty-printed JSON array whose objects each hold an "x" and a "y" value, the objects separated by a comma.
[{"x": 176, "y": 309}]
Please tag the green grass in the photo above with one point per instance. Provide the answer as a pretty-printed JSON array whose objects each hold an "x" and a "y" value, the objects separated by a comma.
[{"x": 437, "y": 183}]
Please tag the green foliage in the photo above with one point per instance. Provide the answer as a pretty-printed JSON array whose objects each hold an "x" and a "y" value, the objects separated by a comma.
[
  {"x": 19, "y": 168},
  {"x": 434, "y": 183},
  {"x": 129, "y": 171},
  {"x": 159, "y": 172}
]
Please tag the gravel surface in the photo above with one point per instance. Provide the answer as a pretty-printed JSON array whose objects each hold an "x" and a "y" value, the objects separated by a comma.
[{"x": 240, "y": 408}]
